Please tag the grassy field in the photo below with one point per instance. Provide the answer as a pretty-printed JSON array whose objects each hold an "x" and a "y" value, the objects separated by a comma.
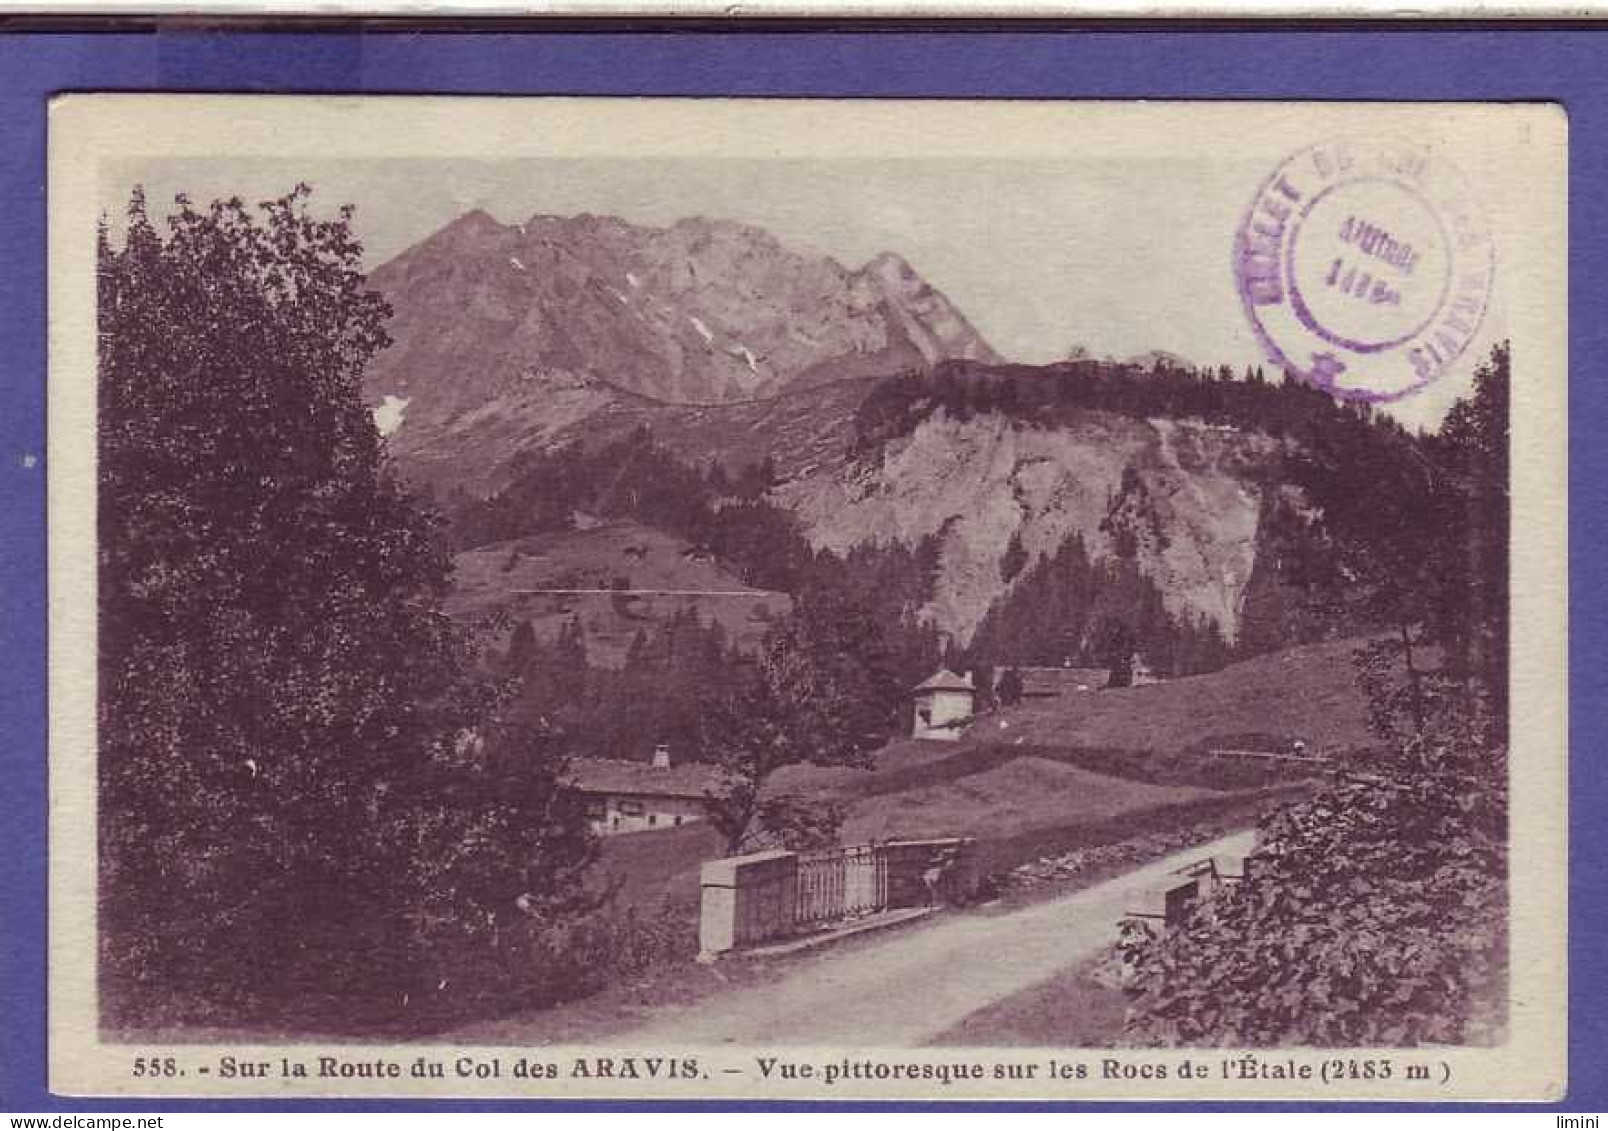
[
  {"x": 1226, "y": 811},
  {"x": 658, "y": 569},
  {"x": 902, "y": 764},
  {"x": 1308, "y": 692},
  {"x": 1020, "y": 796},
  {"x": 1160, "y": 734},
  {"x": 657, "y": 868}
]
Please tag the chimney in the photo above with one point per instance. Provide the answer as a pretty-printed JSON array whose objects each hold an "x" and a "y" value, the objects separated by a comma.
[{"x": 661, "y": 756}]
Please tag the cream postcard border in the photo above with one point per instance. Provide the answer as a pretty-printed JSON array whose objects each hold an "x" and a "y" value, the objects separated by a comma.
[{"x": 1521, "y": 155}]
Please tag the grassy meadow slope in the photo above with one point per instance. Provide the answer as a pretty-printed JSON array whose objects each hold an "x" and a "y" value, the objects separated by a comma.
[
  {"x": 657, "y": 570},
  {"x": 1308, "y": 692},
  {"x": 1021, "y": 795}
]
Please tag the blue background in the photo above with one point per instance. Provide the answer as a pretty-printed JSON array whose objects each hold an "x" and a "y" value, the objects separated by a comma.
[{"x": 1513, "y": 63}]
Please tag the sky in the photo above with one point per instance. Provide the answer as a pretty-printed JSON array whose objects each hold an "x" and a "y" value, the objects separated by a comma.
[{"x": 1117, "y": 255}]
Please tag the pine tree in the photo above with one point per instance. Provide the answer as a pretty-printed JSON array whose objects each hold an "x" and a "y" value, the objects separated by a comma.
[
  {"x": 1012, "y": 562},
  {"x": 1010, "y": 688},
  {"x": 521, "y": 647}
]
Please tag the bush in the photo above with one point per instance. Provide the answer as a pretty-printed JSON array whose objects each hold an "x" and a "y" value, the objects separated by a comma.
[
  {"x": 1374, "y": 914},
  {"x": 539, "y": 962}
]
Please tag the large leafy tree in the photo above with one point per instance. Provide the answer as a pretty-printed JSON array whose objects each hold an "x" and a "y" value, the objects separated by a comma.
[
  {"x": 288, "y": 798},
  {"x": 821, "y": 691}
]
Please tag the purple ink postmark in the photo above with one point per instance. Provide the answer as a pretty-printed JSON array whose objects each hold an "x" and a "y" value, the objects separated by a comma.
[{"x": 1365, "y": 267}]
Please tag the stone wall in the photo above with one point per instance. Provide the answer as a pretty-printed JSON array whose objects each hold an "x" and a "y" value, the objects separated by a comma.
[{"x": 747, "y": 900}]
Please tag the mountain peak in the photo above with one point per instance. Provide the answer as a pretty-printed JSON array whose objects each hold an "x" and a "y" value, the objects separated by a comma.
[
  {"x": 477, "y": 226},
  {"x": 889, "y": 264},
  {"x": 500, "y": 322},
  {"x": 476, "y": 220},
  {"x": 933, "y": 324}
]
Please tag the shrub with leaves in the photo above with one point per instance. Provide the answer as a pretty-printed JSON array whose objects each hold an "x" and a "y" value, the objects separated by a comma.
[{"x": 1374, "y": 914}]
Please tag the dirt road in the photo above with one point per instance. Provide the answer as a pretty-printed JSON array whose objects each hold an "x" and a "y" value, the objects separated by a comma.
[{"x": 908, "y": 987}]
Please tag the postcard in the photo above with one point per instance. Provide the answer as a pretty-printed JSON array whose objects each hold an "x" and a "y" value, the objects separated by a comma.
[{"x": 669, "y": 599}]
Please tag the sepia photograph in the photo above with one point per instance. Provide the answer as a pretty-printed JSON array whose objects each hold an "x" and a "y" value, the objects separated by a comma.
[{"x": 713, "y": 598}]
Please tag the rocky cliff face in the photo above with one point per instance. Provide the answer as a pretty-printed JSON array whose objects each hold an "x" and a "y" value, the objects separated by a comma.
[
  {"x": 1180, "y": 494},
  {"x": 504, "y": 333}
]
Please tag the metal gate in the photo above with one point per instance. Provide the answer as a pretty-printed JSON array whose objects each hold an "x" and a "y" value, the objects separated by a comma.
[{"x": 837, "y": 883}]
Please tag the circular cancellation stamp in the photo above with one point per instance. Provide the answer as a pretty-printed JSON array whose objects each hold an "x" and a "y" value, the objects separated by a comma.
[{"x": 1365, "y": 267}]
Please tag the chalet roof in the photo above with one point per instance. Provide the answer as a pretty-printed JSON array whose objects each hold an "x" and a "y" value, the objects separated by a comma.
[
  {"x": 617, "y": 776},
  {"x": 945, "y": 680}
]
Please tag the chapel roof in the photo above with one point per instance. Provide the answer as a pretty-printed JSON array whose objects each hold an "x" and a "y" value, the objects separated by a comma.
[{"x": 945, "y": 680}]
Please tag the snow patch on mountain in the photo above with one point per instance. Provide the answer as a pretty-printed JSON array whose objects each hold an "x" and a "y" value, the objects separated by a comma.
[{"x": 389, "y": 412}]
